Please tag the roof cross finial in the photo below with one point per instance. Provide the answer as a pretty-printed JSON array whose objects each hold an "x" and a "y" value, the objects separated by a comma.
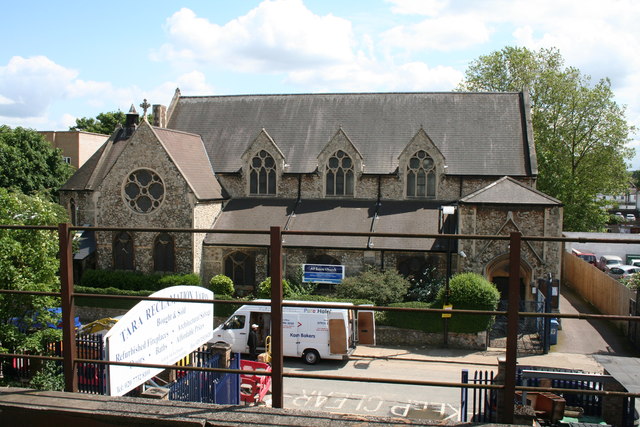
[{"x": 145, "y": 106}]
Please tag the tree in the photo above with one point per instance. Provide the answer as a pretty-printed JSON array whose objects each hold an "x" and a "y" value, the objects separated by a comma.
[
  {"x": 29, "y": 164},
  {"x": 580, "y": 131},
  {"x": 635, "y": 178},
  {"x": 104, "y": 123},
  {"x": 28, "y": 262}
]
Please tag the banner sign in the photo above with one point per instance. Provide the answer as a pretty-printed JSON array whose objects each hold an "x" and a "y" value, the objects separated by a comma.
[
  {"x": 322, "y": 273},
  {"x": 157, "y": 332}
]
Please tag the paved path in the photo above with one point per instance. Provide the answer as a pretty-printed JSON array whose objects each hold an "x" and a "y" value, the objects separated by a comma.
[{"x": 594, "y": 336}]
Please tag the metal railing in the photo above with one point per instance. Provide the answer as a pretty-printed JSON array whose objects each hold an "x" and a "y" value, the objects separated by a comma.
[{"x": 508, "y": 388}]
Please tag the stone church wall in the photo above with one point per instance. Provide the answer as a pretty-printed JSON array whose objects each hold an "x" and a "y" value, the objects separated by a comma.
[
  {"x": 541, "y": 257},
  {"x": 143, "y": 151}
]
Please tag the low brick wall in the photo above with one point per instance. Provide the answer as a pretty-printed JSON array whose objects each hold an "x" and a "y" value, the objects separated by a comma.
[{"x": 387, "y": 335}]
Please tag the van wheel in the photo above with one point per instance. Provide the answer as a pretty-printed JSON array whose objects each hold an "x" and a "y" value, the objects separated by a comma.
[{"x": 310, "y": 357}]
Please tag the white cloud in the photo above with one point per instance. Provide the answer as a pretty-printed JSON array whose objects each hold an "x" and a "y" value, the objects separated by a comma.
[
  {"x": 67, "y": 121},
  {"x": 366, "y": 76},
  {"x": 442, "y": 34},
  {"x": 29, "y": 85},
  {"x": 417, "y": 7},
  {"x": 278, "y": 35}
]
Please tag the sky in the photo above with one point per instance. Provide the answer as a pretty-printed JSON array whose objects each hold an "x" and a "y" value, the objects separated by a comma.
[{"x": 64, "y": 60}]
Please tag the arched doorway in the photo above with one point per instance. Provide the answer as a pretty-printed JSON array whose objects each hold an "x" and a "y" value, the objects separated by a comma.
[{"x": 498, "y": 273}]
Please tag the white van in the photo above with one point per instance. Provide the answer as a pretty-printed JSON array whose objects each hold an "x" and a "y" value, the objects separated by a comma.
[{"x": 312, "y": 333}]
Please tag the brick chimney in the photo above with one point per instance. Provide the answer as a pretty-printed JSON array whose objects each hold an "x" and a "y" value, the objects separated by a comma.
[{"x": 159, "y": 116}]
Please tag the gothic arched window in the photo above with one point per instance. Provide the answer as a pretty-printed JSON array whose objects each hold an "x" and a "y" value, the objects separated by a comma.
[
  {"x": 164, "y": 257},
  {"x": 240, "y": 267},
  {"x": 123, "y": 251},
  {"x": 421, "y": 175},
  {"x": 340, "y": 176},
  {"x": 262, "y": 174}
]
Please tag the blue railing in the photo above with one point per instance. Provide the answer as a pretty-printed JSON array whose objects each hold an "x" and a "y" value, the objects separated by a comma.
[{"x": 208, "y": 387}]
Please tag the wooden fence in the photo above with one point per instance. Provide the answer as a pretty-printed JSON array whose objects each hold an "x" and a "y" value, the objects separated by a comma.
[{"x": 606, "y": 294}]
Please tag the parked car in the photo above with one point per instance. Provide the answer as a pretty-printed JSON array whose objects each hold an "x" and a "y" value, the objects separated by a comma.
[
  {"x": 607, "y": 261},
  {"x": 631, "y": 217},
  {"x": 620, "y": 216},
  {"x": 623, "y": 271},
  {"x": 587, "y": 256}
]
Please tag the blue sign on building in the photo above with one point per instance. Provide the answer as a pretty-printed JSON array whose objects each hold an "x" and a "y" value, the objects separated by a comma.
[{"x": 321, "y": 273}]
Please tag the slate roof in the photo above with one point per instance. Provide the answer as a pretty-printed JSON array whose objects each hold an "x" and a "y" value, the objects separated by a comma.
[
  {"x": 188, "y": 154},
  {"x": 93, "y": 171},
  {"x": 508, "y": 191},
  {"x": 352, "y": 216},
  {"x": 487, "y": 134},
  {"x": 185, "y": 149}
]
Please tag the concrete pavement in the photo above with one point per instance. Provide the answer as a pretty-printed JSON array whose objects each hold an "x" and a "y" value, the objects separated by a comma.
[
  {"x": 578, "y": 341},
  {"x": 487, "y": 358}
]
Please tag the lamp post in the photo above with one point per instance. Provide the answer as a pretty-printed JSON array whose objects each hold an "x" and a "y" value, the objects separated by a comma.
[{"x": 446, "y": 211}]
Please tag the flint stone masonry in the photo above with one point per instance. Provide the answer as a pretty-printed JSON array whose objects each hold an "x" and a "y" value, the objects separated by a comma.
[
  {"x": 379, "y": 175},
  {"x": 389, "y": 336}
]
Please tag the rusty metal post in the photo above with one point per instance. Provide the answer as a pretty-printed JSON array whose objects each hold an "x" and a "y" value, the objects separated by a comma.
[
  {"x": 277, "y": 361},
  {"x": 68, "y": 309},
  {"x": 512, "y": 328}
]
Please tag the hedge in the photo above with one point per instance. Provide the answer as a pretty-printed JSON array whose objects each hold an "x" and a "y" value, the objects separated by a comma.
[
  {"x": 468, "y": 291},
  {"x": 135, "y": 281},
  {"x": 124, "y": 304}
]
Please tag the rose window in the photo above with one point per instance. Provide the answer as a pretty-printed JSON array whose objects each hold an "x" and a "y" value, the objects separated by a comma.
[{"x": 143, "y": 191}]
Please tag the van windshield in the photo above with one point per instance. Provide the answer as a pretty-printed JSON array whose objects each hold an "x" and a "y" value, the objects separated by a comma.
[{"x": 235, "y": 322}]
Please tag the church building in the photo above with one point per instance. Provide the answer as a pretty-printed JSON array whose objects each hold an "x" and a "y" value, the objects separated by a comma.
[{"x": 415, "y": 163}]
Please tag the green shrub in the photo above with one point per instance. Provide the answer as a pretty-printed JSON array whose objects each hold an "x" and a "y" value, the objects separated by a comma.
[
  {"x": 298, "y": 286},
  {"x": 420, "y": 321},
  {"x": 264, "y": 289},
  {"x": 131, "y": 280},
  {"x": 221, "y": 285},
  {"x": 381, "y": 287},
  {"x": 108, "y": 302},
  {"x": 49, "y": 377},
  {"x": 225, "y": 309},
  {"x": 169, "y": 280},
  {"x": 425, "y": 285},
  {"x": 470, "y": 291},
  {"x": 136, "y": 281}
]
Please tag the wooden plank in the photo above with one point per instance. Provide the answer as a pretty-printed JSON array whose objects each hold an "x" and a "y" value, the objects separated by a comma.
[{"x": 337, "y": 337}]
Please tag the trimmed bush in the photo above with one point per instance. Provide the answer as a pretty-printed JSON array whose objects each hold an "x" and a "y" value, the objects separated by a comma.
[
  {"x": 179, "y": 280},
  {"x": 222, "y": 309},
  {"x": 381, "y": 287},
  {"x": 221, "y": 285},
  {"x": 135, "y": 281},
  {"x": 264, "y": 289},
  {"x": 470, "y": 291},
  {"x": 131, "y": 280},
  {"x": 107, "y": 302},
  {"x": 420, "y": 321}
]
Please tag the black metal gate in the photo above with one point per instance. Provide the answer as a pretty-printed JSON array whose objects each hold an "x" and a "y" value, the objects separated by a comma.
[
  {"x": 481, "y": 405},
  {"x": 530, "y": 329}
]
